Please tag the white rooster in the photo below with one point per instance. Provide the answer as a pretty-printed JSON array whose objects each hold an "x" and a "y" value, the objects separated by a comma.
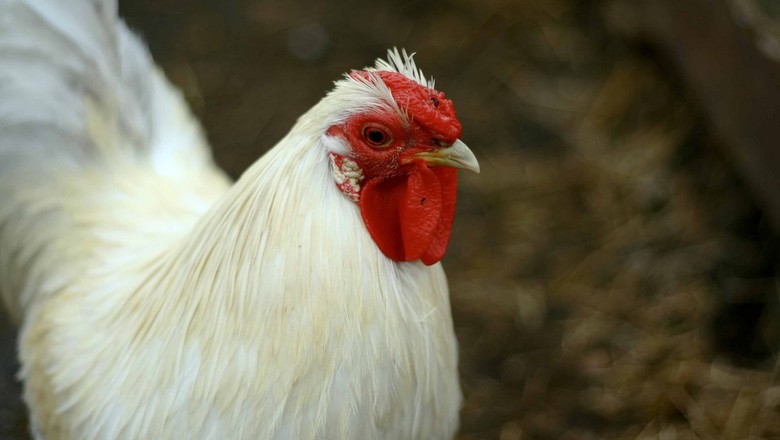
[{"x": 157, "y": 300}]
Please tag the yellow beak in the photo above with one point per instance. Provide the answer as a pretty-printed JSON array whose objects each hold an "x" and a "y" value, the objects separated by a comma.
[{"x": 456, "y": 155}]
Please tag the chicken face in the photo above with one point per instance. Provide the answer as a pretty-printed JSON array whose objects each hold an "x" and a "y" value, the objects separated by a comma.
[{"x": 401, "y": 166}]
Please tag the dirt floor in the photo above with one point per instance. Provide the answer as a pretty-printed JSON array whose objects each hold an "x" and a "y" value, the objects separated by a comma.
[{"x": 610, "y": 275}]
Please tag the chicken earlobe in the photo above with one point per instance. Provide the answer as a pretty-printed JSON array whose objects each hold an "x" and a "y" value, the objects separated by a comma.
[{"x": 347, "y": 174}]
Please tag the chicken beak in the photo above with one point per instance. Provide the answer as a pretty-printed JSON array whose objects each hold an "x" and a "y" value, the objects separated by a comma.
[{"x": 457, "y": 155}]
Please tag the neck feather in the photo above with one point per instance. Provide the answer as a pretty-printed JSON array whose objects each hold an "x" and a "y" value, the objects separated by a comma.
[{"x": 284, "y": 217}]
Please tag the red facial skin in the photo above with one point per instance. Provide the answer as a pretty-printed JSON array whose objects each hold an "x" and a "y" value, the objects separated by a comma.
[{"x": 406, "y": 206}]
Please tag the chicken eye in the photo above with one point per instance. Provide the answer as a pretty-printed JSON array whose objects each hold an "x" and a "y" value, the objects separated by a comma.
[{"x": 375, "y": 136}]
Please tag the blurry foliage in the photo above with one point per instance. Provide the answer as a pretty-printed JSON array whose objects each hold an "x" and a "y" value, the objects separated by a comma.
[
  {"x": 634, "y": 248},
  {"x": 763, "y": 17},
  {"x": 770, "y": 7}
]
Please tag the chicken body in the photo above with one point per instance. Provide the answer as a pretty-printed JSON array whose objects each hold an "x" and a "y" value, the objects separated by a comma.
[{"x": 157, "y": 299}]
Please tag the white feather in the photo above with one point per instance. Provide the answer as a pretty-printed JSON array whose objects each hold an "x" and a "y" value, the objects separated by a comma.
[{"x": 156, "y": 300}]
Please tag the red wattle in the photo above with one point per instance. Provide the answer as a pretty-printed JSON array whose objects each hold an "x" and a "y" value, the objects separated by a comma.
[
  {"x": 420, "y": 211},
  {"x": 410, "y": 217},
  {"x": 448, "y": 178}
]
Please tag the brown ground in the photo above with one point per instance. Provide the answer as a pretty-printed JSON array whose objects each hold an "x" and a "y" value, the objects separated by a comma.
[{"x": 610, "y": 276}]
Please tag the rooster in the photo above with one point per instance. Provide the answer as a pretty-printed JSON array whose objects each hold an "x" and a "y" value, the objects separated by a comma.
[{"x": 157, "y": 299}]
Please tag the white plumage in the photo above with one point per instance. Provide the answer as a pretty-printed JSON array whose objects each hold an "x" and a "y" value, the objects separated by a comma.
[{"x": 159, "y": 300}]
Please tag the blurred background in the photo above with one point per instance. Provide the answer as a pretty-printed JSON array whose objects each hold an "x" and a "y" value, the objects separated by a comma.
[{"x": 614, "y": 266}]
